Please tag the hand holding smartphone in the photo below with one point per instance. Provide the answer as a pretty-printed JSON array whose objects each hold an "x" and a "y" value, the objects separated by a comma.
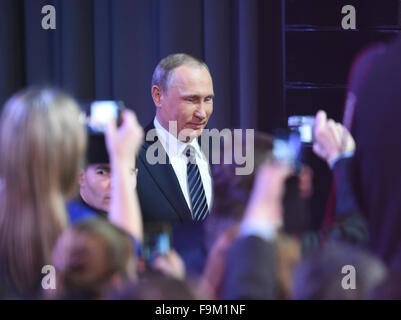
[{"x": 287, "y": 148}]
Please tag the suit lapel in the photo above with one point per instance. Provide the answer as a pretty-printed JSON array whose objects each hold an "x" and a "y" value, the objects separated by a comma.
[{"x": 165, "y": 178}]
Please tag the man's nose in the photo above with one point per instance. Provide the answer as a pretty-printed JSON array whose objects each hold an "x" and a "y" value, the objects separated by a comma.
[{"x": 200, "y": 112}]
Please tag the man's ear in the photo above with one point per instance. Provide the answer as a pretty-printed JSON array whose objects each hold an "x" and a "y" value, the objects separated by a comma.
[
  {"x": 157, "y": 95},
  {"x": 81, "y": 176}
]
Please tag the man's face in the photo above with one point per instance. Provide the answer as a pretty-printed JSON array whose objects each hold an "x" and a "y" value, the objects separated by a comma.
[
  {"x": 95, "y": 185},
  {"x": 188, "y": 100}
]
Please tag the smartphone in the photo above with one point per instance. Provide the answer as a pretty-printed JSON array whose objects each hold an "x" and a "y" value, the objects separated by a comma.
[
  {"x": 287, "y": 147},
  {"x": 304, "y": 125},
  {"x": 101, "y": 112},
  {"x": 157, "y": 240}
]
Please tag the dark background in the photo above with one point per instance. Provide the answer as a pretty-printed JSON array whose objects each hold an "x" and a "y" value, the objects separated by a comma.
[
  {"x": 269, "y": 58},
  {"x": 108, "y": 49}
]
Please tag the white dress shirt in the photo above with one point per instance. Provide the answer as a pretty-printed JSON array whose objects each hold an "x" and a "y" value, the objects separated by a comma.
[{"x": 175, "y": 151}]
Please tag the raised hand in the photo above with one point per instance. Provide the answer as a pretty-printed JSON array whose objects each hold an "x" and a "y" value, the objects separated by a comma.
[{"x": 331, "y": 139}]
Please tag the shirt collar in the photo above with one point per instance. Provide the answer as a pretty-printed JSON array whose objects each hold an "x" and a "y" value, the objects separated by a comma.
[{"x": 173, "y": 146}]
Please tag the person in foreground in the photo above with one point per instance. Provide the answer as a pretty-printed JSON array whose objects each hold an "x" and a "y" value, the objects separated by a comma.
[{"x": 254, "y": 275}]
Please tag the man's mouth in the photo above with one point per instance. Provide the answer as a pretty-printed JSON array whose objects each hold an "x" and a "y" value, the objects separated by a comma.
[{"x": 195, "y": 126}]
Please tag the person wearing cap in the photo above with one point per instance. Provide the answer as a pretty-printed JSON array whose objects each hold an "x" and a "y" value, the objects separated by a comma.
[
  {"x": 95, "y": 178},
  {"x": 107, "y": 183}
]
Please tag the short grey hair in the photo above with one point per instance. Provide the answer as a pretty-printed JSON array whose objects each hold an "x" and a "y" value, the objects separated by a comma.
[{"x": 164, "y": 70}]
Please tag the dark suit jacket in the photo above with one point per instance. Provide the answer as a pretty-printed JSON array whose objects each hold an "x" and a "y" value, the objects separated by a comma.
[
  {"x": 159, "y": 191},
  {"x": 162, "y": 200}
]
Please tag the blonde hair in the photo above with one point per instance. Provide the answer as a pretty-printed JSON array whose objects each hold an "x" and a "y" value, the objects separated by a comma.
[{"x": 42, "y": 144}]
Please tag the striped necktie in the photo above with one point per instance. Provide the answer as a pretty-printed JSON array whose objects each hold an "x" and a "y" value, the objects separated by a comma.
[{"x": 200, "y": 208}]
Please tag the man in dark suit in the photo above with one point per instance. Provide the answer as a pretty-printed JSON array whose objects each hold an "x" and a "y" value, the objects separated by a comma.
[{"x": 174, "y": 182}]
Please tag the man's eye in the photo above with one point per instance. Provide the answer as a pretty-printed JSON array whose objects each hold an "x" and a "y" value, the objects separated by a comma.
[
  {"x": 101, "y": 172},
  {"x": 208, "y": 99},
  {"x": 190, "y": 99}
]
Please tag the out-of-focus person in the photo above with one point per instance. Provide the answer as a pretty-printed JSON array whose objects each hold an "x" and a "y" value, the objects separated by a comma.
[
  {"x": 375, "y": 166},
  {"x": 42, "y": 143},
  {"x": 338, "y": 272},
  {"x": 108, "y": 180},
  {"x": 91, "y": 258},
  {"x": 155, "y": 285}
]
